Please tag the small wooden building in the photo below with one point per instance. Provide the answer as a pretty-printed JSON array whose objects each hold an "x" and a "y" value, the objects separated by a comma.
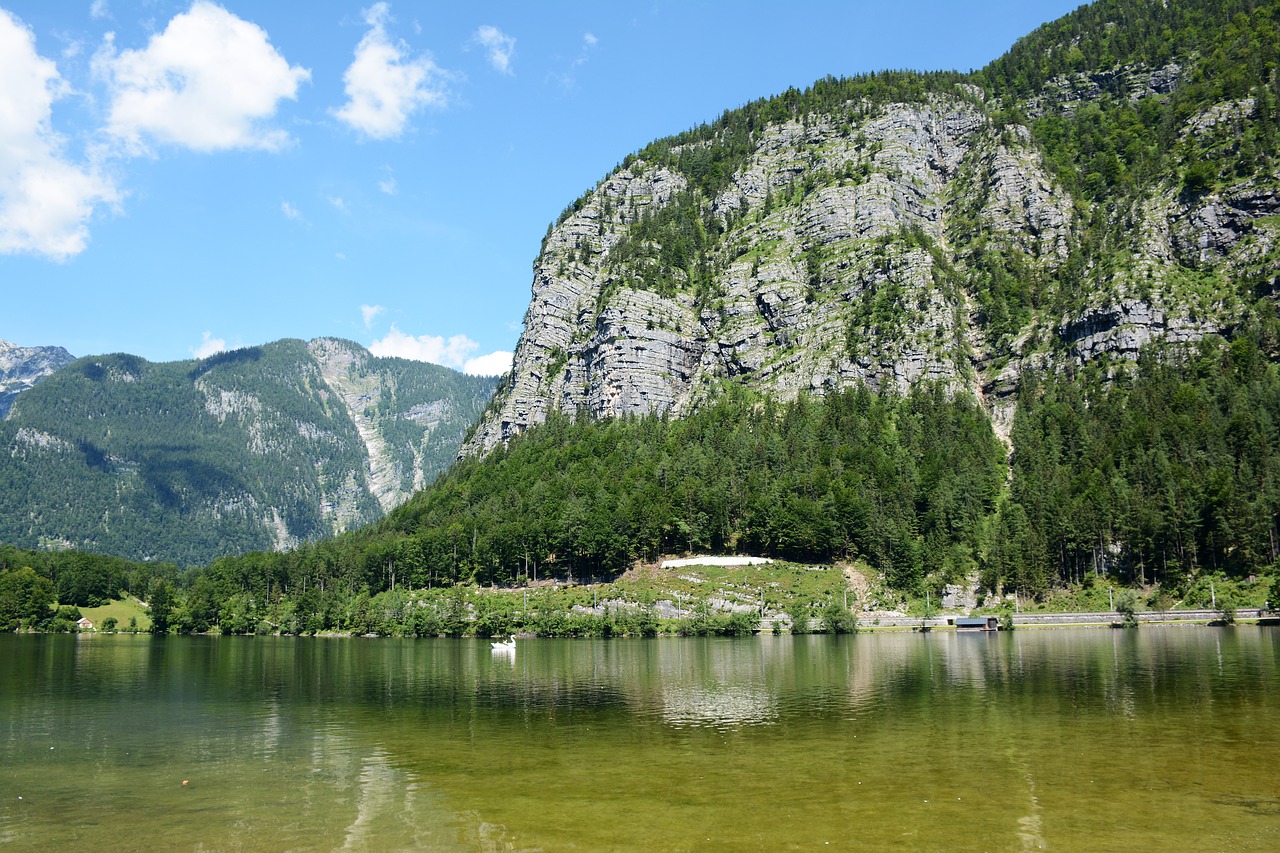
[
  {"x": 966, "y": 624},
  {"x": 84, "y": 624}
]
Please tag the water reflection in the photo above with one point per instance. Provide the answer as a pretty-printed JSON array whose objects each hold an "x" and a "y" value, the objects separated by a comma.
[{"x": 373, "y": 744}]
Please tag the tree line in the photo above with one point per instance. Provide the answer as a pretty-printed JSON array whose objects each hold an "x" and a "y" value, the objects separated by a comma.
[{"x": 1165, "y": 474}]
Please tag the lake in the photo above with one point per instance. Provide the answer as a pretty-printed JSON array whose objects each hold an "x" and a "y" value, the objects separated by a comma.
[{"x": 1066, "y": 739}]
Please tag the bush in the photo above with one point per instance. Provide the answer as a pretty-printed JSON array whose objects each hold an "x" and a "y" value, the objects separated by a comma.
[
  {"x": 837, "y": 620},
  {"x": 798, "y": 612},
  {"x": 1198, "y": 178},
  {"x": 1127, "y": 607},
  {"x": 1227, "y": 604}
]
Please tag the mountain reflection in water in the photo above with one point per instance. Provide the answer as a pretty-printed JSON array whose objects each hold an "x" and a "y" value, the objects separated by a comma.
[{"x": 1072, "y": 739}]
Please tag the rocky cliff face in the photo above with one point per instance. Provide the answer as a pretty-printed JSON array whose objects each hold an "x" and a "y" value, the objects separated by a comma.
[
  {"x": 260, "y": 448},
  {"x": 22, "y": 367},
  {"x": 408, "y": 416},
  {"x": 879, "y": 243}
]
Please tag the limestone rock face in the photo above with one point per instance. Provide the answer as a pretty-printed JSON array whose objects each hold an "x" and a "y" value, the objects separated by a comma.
[
  {"x": 833, "y": 267},
  {"x": 886, "y": 245},
  {"x": 402, "y": 420},
  {"x": 23, "y": 367},
  {"x": 1131, "y": 81}
]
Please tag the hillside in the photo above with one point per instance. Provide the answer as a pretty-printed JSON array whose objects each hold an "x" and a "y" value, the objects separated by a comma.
[
  {"x": 1109, "y": 183},
  {"x": 258, "y": 448},
  {"x": 1082, "y": 240}
]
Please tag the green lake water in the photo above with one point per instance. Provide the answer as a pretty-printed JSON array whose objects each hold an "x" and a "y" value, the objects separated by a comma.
[{"x": 1161, "y": 738}]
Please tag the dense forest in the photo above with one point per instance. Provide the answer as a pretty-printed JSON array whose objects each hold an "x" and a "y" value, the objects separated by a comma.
[
  {"x": 33, "y": 582},
  {"x": 1168, "y": 474},
  {"x": 245, "y": 450},
  {"x": 1167, "y": 477}
]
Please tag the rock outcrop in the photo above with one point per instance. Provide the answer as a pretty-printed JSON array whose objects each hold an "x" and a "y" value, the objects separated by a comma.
[
  {"x": 884, "y": 244},
  {"x": 23, "y": 367},
  {"x": 838, "y": 264}
]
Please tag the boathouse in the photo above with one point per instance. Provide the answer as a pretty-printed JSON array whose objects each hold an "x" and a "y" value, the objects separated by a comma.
[{"x": 966, "y": 624}]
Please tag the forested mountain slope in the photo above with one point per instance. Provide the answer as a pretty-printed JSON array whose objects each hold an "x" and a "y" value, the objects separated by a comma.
[
  {"x": 258, "y": 448},
  {"x": 1083, "y": 238},
  {"x": 1109, "y": 183}
]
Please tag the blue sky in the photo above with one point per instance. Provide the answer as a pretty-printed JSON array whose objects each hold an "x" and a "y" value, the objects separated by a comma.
[{"x": 180, "y": 177}]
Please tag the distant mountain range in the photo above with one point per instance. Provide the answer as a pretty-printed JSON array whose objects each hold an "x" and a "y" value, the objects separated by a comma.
[
  {"x": 22, "y": 367},
  {"x": 254, "y": 449}
]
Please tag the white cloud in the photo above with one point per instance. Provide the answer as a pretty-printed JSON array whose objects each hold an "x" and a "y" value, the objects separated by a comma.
[
  {"x": 209, "y": 345},
  {"x": 338, "y": 203},
  {"x": 568, "y": 80},
  {"x": 388, "y": 186},
  {"x": 289, "y": 210},
  {"x": 45, "y": 200},
  {"x": 493, "y": 364},
  {"x": 454, "y": 352},
  {"x": 209, "y": 82},
  {"x": 98, "y": 10},
  {"x": 433, "y": 348},
  {"x": 383, "y": 85},
  {"x": 370, "y": 313},
  {"x": 500, "y": 46},
  {"x": 589, "y": 43}
]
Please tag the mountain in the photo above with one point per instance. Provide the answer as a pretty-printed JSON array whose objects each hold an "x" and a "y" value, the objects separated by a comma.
[
  {"x": 22, "y": 367},
  {"x": 1108, "y": 184},
  {"x": 257, "y": 448},
  {"x": 1014, "y": 329}
]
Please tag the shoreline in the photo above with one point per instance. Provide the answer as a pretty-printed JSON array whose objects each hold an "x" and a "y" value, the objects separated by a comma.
[{"x": 941, "y": 624}]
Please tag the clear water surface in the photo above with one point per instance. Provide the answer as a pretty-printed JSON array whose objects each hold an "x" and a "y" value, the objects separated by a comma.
[{"x": 1161, "y": 738}]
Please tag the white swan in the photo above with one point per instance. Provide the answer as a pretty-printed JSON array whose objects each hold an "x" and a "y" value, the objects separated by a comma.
[{"x": 505, "y": 645}]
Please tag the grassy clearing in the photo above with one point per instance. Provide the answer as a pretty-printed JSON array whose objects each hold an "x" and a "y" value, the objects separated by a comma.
[
  {"x": 123, "y": 611},
  {"x": 779, "y": 585}
]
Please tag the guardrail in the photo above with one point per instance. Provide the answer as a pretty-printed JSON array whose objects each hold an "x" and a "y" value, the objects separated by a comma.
[
  {"x": 1150, "y": 617},
  {"x": 1145, "y": 616}
]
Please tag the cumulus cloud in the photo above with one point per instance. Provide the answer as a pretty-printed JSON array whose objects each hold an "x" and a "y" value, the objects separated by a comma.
[
  {"x": 370, "y": 313},
  {"x": 388, "y": 186},
  {"x": 45, "y": 200},
  {"x": 209, "y": 82},
  {"x": 493, "y": 364},
  {"x": 454, "y": 352},
  {"x": 339, "y": 203},
  {"x": 289, "y": 210},
  {"x": 98, "y": 10},
  {"x": 499, "y": 46},
  {"x": 384, "y": 85},
  {"x": 209, "y": 345},
  {"x": 433, "y": 348}
]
